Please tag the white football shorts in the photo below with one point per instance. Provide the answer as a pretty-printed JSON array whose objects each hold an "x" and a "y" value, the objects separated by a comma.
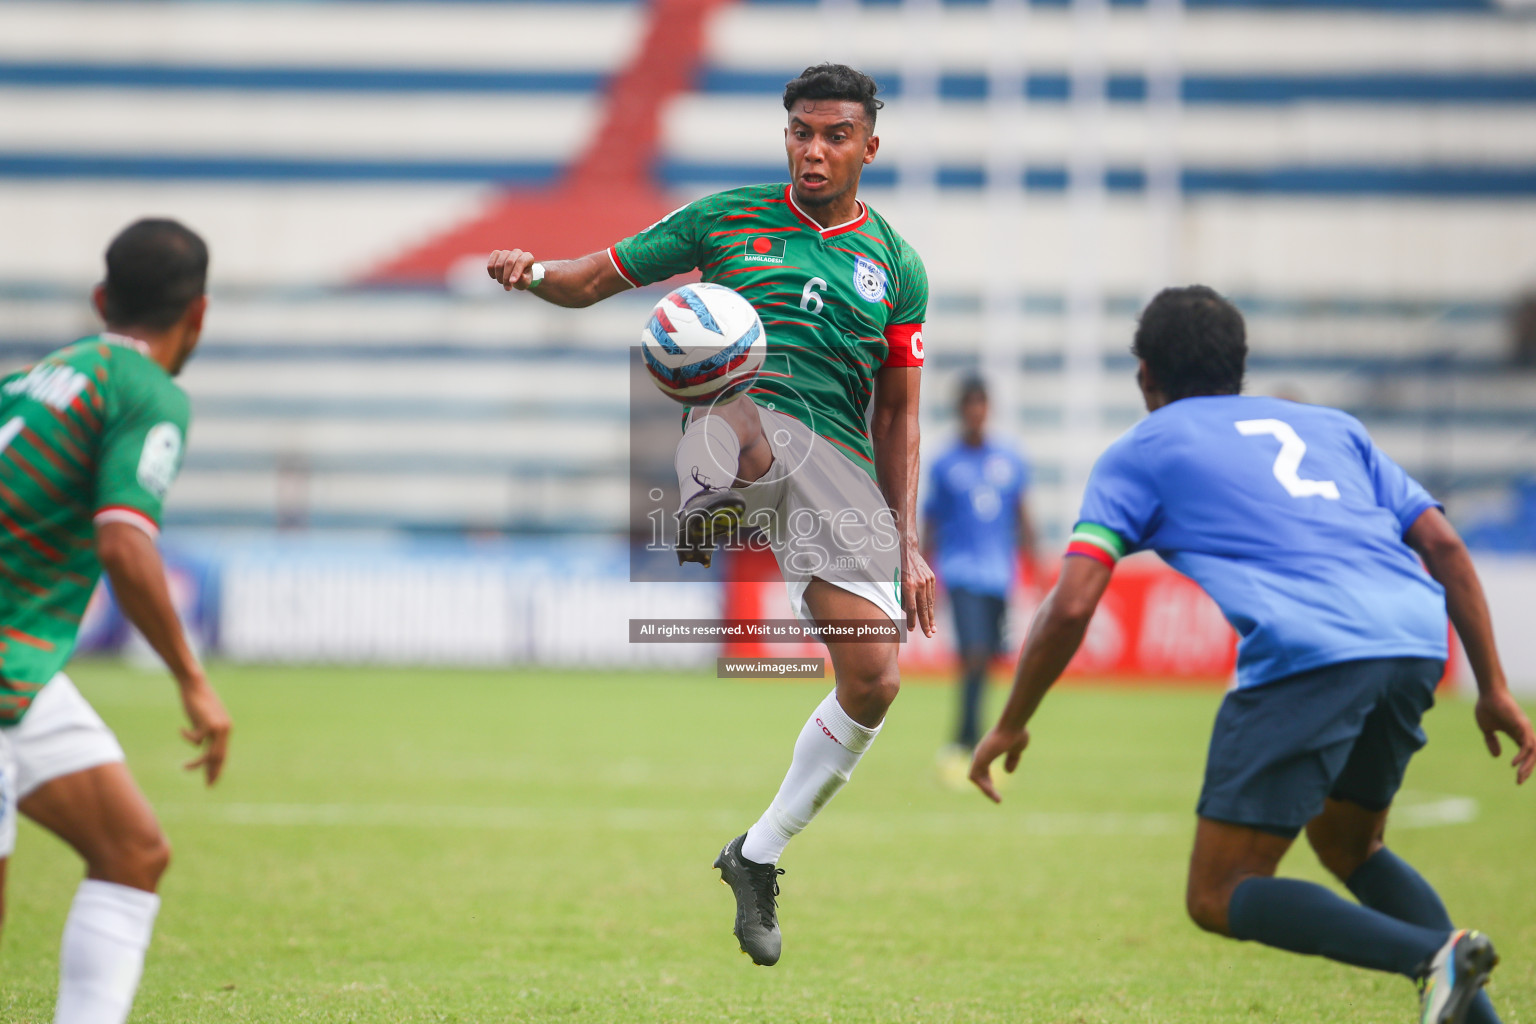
[
  {"x": 59, "y": 735},
  {"x": 824, "y": 518}
]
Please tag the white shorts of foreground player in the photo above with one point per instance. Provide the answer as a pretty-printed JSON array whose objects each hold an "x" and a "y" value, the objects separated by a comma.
[
  {"x": 825, "y": 519},
  {"x": 60, "y": 735},
  {"x": 109, "y": 926}
]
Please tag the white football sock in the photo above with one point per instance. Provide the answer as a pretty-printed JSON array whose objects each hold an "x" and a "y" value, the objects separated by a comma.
[
  {"x": 707, "y": 456},
  {"x": 105, "y": 937},
  {"x": 828, "y": 748}
]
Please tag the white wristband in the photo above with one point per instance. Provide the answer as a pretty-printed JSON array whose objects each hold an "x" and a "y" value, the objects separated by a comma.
[{"x": 535, "y": 275}]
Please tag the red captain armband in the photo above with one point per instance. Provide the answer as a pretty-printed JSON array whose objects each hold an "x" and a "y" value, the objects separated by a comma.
[{"x": 905, "y": 342}]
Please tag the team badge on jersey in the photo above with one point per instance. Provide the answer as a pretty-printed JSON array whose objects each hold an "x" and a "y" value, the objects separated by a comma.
[
  {"x": 765, "y": 249},
  {"x": 160, "y": 459},
  {"x": 869, "y": 279}
]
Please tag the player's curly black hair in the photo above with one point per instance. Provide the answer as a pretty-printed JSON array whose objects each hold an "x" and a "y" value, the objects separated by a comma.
[
  {"x": 834, "y": 82},
  {"x": 154, "y": 268},
  {"x": 1193, "y": 341}
]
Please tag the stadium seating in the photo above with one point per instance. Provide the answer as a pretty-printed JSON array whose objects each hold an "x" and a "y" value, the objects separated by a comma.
[{"x": 1361, "y": 174}]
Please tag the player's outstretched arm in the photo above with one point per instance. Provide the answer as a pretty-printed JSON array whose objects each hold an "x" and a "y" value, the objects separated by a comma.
[
  {"x": 571, "y": 283},
  {"x": 1054, "y": 638},
  {"x": 895, "y": 435},
  {"x": 1448, "y": 561},
  {"x": 132, "y": 561}
]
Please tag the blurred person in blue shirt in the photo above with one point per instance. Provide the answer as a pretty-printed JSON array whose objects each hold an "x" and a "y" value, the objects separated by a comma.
[
  {"x": 1337, "y": 570},
  {"x": 976, "y": 525}
]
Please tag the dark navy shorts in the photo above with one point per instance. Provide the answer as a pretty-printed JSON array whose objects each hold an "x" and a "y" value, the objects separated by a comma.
[
  {"x": 1345, "y": 731},
  {"x": 978, "y": 621}
]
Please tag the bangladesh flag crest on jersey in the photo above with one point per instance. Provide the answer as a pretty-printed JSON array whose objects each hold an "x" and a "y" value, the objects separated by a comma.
[{"x": 765, "y": 249}]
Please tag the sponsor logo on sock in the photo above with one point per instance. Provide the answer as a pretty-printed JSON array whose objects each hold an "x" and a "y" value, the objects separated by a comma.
[{"x": 824, "y": 729}]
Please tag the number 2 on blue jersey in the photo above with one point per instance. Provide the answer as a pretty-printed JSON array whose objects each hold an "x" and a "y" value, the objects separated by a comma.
[{"x": 1288, "y": 463}]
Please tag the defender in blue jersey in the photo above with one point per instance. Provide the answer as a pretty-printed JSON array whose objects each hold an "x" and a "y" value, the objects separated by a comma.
[
  {"x": 976, "y": 524},
  {"x": 1310, "y": 539}
]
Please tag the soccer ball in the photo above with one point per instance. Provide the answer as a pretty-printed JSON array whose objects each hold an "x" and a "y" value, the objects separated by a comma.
[{"x": 703, "y": 344}]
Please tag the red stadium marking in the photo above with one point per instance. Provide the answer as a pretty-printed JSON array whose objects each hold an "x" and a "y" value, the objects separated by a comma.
[{"x": 610, "y": 191}]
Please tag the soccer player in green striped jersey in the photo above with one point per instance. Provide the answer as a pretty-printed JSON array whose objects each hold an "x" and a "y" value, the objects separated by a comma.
[
  {"x": 91, "y": 438},
  {"x": 822, "y": 452}
]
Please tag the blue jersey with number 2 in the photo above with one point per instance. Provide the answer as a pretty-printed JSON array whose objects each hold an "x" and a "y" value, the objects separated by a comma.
[{"x": 1289, "y": 517}]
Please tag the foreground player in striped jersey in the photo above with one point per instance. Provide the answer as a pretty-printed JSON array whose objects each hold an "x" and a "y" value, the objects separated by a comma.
[
  {"x": 1309, "y": 538},
  {"x": 90, "y": 439},
  {"x": 842, "y": 297}
]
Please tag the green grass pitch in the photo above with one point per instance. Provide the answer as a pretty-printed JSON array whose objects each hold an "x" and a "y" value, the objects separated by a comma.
[{"x": 395, "y": 845}]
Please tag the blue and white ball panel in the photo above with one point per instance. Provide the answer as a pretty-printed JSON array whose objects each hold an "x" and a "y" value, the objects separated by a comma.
[{"x": 703, "y": 343}]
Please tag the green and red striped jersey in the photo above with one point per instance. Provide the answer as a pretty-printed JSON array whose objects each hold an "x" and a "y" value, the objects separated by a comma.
[
  {"x": 836, "y": 303},
  {"x": 90, "y": 434}
]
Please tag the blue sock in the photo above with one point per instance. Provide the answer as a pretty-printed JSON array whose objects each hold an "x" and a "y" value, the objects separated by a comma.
[
  {"x": 1305, "y": 918},
  {"x": 1387, "y": 883}
]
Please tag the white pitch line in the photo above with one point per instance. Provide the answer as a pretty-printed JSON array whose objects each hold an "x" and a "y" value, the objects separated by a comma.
[
  {"x": 1426, "y": 810},
  {"x": 1417, "y": 810},
  {"x": 506, "y": 818}
]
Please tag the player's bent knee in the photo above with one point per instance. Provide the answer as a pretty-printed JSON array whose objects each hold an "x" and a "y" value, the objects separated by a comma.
[
  {"x": 882, "y": 687},
  {"x": 1208, "y": 896},
  {"x": 160, "y": 862},
  {"x": 154, "y": 858},
  {"x": 879, "y": 690},
  {"x": 1342, "y": 861},
  {"x": 1330, "y": 853},
  {"x": 1208, "y": 909},
  {"x": 136, "y": 861},
  {"x": 1341, "y": 847},
  {"x": 866, "y": 696}
]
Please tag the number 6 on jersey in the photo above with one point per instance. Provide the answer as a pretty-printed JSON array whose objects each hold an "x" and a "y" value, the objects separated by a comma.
[{"x": 810, "y": 298}]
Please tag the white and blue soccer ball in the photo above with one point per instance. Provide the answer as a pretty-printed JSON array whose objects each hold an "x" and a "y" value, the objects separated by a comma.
[{"x": 703, "y": 344}]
